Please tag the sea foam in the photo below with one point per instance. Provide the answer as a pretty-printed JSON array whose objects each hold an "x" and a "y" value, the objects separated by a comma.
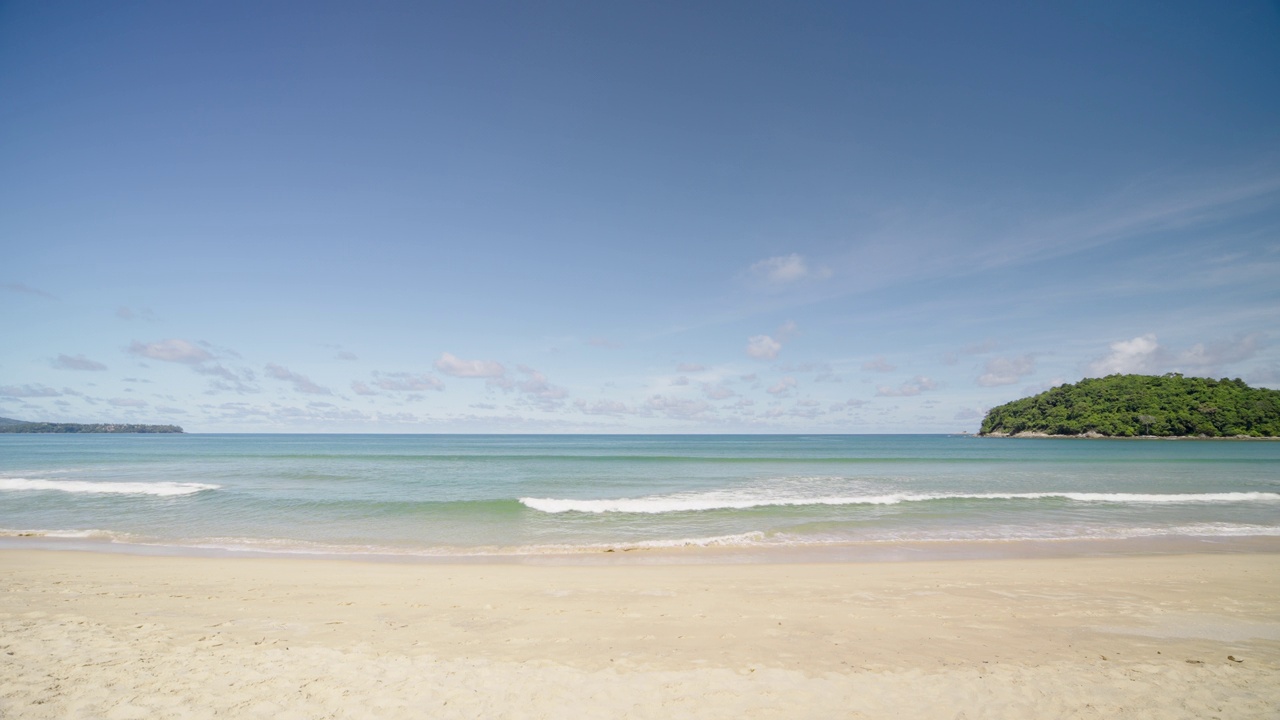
[
  {"x": 162, "y": 489},
  {"x": 728, "y": 501}
]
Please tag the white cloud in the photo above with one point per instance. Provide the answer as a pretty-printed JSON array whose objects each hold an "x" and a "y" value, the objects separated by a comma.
[
  {"x": 603, "y": 407},
  {"x": 716, "y": 392},
  {"x": 785, "y": 270},
  {"x": 878, "y": 364},
  {"x": 360, "y": 388},
  {"x": 171, "y": 350},
  {"x": 542, "y": 392},
  {"x": 678, "y": 408},
  {"x": 79, "y": 362},
  {"x": 1209, "y": 358},
  {"x": 783, "y": 386},
  {"x": 690, "y": 368},
  {"x": 763, "y": 347},
  {"x": 127, "y": 402},
  {"x": 28, "y": 391},
  {"x": 450, "y": 364},
  {"x": 407, "y": 382},
  {"x": 347, "y": 355},
  {"x": 1128, "y": 356},
  {"x": 1006, "y": 371},
  {"x": 1144, "y": 354},
  {"x": 301, "y": 383},
  {"x": 915, "y": 386}
]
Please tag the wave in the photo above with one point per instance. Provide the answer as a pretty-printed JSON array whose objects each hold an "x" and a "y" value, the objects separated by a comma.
[
  {"x": 161, "y": 489},
  {"x": 705, "y": 502}
]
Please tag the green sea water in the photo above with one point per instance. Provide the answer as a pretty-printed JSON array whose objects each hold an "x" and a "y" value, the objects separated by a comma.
[{"x": 449, "y": 495}]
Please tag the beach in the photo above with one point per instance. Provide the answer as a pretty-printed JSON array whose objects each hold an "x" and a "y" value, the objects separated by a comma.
[{"x": 90, "y": 634}]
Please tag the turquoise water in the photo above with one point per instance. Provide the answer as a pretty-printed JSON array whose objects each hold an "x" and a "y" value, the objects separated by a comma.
[{"x": 499, "y": 494}]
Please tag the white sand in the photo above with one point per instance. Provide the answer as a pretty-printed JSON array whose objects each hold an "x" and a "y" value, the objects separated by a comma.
[{"x": 115, "y": 636}]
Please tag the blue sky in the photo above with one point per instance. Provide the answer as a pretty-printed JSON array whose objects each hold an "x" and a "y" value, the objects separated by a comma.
[{"x": 645, "y": 217}]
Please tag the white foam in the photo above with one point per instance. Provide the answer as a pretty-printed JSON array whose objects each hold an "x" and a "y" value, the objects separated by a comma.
[
  {"x": 162, "y": 489},
  {"x": 729, "y": 501}
]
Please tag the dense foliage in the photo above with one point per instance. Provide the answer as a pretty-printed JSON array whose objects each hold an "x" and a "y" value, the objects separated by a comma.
[
  {"x": 1131, "y": 405},
  {"x": 9, "y": 425}
]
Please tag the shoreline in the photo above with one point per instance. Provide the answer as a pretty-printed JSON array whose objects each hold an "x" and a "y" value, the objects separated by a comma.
[
  {"x": 110, "y": 635},
  {"x": 905, "y": 551}
]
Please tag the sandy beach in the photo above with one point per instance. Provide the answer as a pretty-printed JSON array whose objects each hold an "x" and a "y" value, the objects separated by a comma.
[{"x": 118, "y": 636}]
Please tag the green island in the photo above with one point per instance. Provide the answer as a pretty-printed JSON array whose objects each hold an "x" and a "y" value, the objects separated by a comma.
[
  {"x": 1141, "y": 406},
  {"x": 9, "y": 425}
]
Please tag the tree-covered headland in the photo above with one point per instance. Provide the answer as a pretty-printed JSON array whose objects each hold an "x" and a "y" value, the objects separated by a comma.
[
  {"x": 9, "y": 425},
  {"x": 1142, "y": 405}
]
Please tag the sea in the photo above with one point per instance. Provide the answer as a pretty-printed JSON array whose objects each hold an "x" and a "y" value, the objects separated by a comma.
[{"x": 542, "y": 496}]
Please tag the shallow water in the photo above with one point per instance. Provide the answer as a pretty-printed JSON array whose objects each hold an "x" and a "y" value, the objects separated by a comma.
[{"x": 502, "y": 494}]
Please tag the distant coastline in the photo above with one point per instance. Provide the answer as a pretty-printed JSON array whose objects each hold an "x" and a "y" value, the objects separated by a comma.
[{"x": 9, "y": 425}]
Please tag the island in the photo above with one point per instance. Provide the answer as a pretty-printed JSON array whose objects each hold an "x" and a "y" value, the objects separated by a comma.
[
  {"x": 9, "y": 425},
  {"x": 1141, "y": 406}
]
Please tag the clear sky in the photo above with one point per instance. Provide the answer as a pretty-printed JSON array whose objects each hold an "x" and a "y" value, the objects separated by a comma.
[{"x": 627, "y": 217}]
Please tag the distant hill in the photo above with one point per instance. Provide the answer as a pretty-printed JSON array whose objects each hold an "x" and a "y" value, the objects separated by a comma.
[
  {"x": 9, "y": 425},
  {"x": 1142, "y": 405}
]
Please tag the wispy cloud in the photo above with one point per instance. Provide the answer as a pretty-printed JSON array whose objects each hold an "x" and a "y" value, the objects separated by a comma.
[
  {"x": 27, "y": 290},
  {"x": 171, "y": 350},
  {"x": 407, "y": 382},
  {"x": 28, "y": 391},
  {"x": 301, "y": 383},
  {"x": 77, "y": 362},
  {"x": 785, "y": 270},
  {"x": 450, "y": 364},
  {"x": 914, "y": 386},
  {"x": 879, "y": 364},
  {"x": 1006, "y": 371}
]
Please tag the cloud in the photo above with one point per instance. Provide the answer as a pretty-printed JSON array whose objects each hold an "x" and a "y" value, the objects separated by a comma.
[
  {"x": 603, "y": 342},
  {"x": 968, "y": 414},
  {"x": 171, "y": 350},
  {"x": 603, "y": 407},
  {"x": 360, "y": 388},
  {"x": 457, "y": 367},
  {"x": 690, "y": 368},
  {"x": 763, "y": 347},
  {"x": 976, "y": 348},
  {"x": 28, "y": 391},
  {"x": 301, "y": 383},
  {"x": 1209, "y": 358},
  {"x": 783, "y": 386},
  {"x": 407, "y": 382},
  {"x": 126, "y": 313},
  {"x": 878, "y": 364},
  {"x": 228, "y": 380},
  {"x": 79, "y": 362},
  {"x": 347, "y": 355},
  {"x": 785, "y": 270},
  {"x": 1144, "y": 354},
  {"x": 1006, "y": 371},
  {"x": 28, "y": 290},
  {"x": 127, "y": 402},
  {"x": 915, "y": 386},
  {"x": 536, "y": 387},
  {"x": 716, "y": 392},
  {"x": 786, "y": 331},
  {"x": 1128, "y": 356},
  {"x": 847, "y": 404},
  {"x": 678, "y": 408}
]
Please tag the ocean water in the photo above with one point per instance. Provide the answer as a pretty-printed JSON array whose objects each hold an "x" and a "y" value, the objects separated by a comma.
[{"x": 461, "y": 495}]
